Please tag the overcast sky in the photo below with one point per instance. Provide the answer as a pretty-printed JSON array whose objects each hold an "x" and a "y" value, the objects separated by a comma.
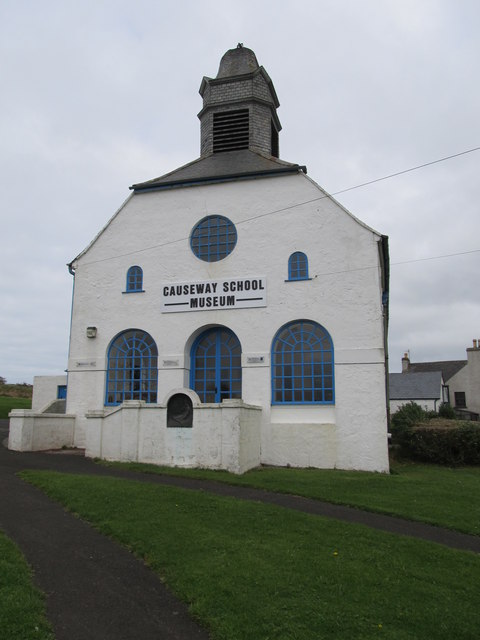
[{"x": 100, "y": 94}]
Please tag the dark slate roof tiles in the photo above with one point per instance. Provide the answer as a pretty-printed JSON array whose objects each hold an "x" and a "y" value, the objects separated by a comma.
[
  {"x": 415, "y": 386},
  {"x": 448, "y": 367},
  {"x": 216, "y": 167}
]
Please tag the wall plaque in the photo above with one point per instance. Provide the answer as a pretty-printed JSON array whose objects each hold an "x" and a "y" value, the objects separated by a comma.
[
  {"x": 179, "y": 411},
  {"x": 170, "y": 363}
]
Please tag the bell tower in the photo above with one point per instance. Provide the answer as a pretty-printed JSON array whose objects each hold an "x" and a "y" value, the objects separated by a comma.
[{"x": 239, "y": 107}]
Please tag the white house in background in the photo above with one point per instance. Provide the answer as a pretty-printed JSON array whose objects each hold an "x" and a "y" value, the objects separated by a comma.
[
  {"x": 231, "y": 313},
  {"x": 425, "y": 389},
  {"x": 461, "y": 379}
]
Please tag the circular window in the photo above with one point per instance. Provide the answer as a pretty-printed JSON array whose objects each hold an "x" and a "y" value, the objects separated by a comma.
[{"x": 213, "y": 238}]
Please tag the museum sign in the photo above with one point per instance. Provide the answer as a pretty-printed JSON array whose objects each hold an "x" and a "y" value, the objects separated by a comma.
[{"x": 207, "y": 295}]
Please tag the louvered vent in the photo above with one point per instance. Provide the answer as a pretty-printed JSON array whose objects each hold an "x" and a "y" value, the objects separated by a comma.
[{"x": 230, "y": 130}]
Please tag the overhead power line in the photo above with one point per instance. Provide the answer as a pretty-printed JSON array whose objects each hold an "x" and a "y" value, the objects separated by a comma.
[
  {"x": 394, "y": 264},
  {"x": 363, "y": 184},
  {"x": 299, "y": 204},
  {"x": 445, "y": 255},
  {"x": 399, "y": 173}
]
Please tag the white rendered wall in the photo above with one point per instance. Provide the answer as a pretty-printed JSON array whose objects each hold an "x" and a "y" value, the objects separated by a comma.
[
  {"x": 424, "y": 403},
  {"x": 343, "y": 295},
  {"x": 468, "y": 381},
  {"x": 30, "y": 431},
  {"x": 45, "y": 390}
]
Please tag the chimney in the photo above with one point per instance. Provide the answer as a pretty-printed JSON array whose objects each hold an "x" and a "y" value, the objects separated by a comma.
[
  {"x": 405, "y": 362},
  {"x": 473, "y": 353}
]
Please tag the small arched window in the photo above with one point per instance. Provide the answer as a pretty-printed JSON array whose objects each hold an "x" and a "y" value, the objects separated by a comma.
[
  {"x": 134, "y": 279},
  {"x": 298, "y": 266},
  {"x": 302, "y": 364}
]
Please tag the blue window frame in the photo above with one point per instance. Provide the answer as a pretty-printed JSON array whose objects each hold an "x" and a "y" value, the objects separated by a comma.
[
  {"x": 302, "y": 364},
  {"x": 216, "y": 366},
  {"x": 134, "y": 279},
  {"x": 213, "y": 238},
  {"x": 132, "y": 368},
  {"x": 298, "y": 266}
]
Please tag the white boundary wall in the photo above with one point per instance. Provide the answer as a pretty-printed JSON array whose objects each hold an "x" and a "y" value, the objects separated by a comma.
[
  {"x": 31, "y": 431},
  {"x": 225, "y": 436}
]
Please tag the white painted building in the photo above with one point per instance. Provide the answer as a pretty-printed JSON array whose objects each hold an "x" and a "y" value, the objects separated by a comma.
[
  {"x": 425, "y": 388},
  {"x": 461, "y": 380},
  {"x": 231, "y": 313}
]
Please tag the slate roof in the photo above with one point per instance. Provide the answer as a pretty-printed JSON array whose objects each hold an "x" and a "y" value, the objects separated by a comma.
[
  {"x": 220, "y": 167},
  {"x": 448, "y": 367},
  {"x": 415, "y": 386}
]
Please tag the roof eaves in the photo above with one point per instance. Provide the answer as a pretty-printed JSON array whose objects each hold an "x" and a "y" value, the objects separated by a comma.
[
  {"x": 189, "y": 182},
  {"x": 72, "y": 265},
  {"x": 216, "y": 105},
  {"x": 344, "y": 208},
  {"x": 206, "y": 80},
  {"x": 425, "y": 396}
]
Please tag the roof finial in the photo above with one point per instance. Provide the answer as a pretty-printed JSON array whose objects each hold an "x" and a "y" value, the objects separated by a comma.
[{"x": 240, "y": 45}]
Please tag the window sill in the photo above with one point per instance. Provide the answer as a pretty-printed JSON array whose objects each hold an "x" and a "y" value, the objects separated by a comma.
[
  {"x": 297, "y": 279},
  {"x": 135, "y": 291}
]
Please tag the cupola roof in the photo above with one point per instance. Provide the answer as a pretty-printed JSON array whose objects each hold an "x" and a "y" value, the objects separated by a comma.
[
  {"x": 239, "y": 128},
  {"x": 237, "y": 62}
]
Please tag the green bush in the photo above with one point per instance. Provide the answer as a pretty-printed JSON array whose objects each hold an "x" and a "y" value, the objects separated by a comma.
[
  {"x": 404, "y": 419},
  {"x": 401, "y": 424},
  {"x": 447, "y": 411},
  {"x": 419, "y": 439},
  {"x": 16, "y": 390},
  {"x": 449, "y": 446}
]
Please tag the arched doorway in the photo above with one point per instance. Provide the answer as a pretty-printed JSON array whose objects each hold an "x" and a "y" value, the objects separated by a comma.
[{"x": 216, "y": 366}]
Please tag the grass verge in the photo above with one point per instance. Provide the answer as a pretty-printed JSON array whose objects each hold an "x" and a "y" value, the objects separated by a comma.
[
  {"x": 427, "y": 493},
  {"x": 22, "y": 611},
  {"x": 7, "y": 403},
  {"x": 252, "y": 571}
]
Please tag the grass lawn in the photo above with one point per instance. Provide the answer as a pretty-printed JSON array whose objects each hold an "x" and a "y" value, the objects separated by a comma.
[
  {"x": 22, "y": 611},
  {"x": 7, "y": 403},
  {"x": 429, "y": 493},
  {"x": 259, "y": 572}
]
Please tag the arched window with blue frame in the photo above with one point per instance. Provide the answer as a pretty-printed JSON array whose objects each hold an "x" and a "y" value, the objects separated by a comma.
[
  {"x": 131, "y": 368},
  {"x": 298, "y": 266},
  {"x": 216, "y": 365},
  {"x": 302, "y": 364},
  {"x": 134, "y": 279}
]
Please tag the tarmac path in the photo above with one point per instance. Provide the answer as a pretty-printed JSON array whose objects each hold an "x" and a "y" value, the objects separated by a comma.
[{"x": 95, "y": 588}]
